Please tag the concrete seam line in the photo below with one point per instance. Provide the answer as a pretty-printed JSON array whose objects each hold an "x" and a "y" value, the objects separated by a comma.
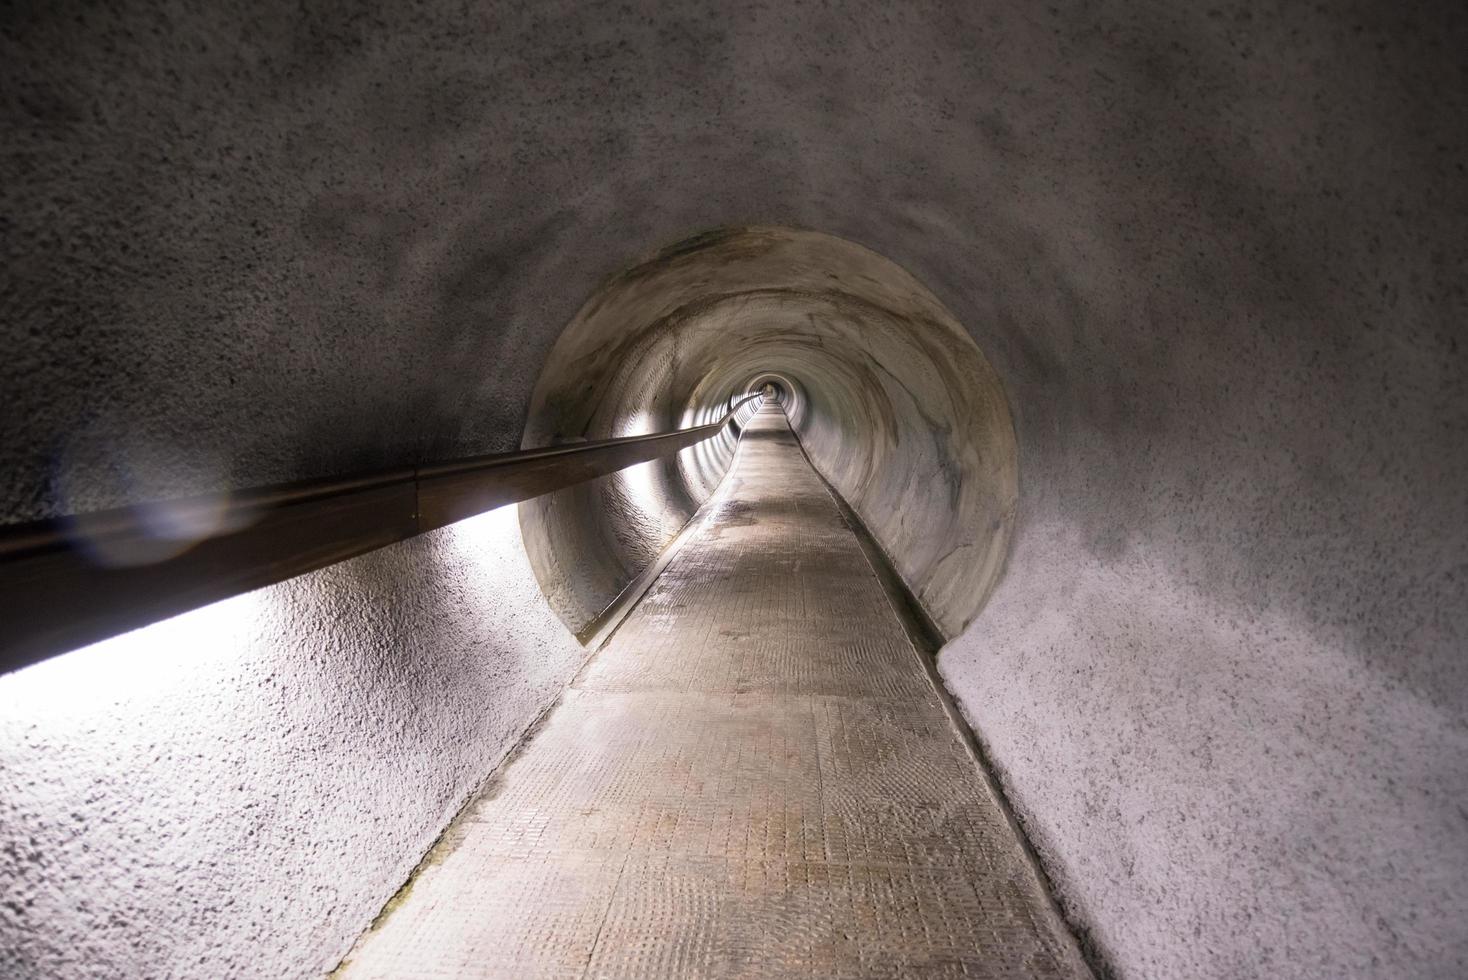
[
  {"x": 600, "y": 630},
  {"x": 921, "y": 629},
  {"x": 499, "y": 765},
  {"x": 921, "y": 633}
]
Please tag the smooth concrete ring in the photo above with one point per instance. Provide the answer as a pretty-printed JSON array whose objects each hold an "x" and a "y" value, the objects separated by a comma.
[{"x": 893, "y": 401}]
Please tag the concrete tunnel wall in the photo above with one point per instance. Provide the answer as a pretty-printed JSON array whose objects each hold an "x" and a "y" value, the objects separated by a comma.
[
  {"x": 890, "y": 396},
  {"x": 237, "y": 791},
  {"x": 588, "y": 543},
  {"x": 1214, "y": 255}
]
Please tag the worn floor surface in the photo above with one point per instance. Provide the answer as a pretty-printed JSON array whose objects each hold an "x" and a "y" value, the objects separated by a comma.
[{"x": 753, "y": 779}]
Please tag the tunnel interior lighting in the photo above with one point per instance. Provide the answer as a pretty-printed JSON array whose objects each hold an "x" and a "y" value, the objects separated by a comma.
[
  {"x": 146, "y": 663},
  {"x": 641, "y": 485},
  {"x": 491, "y": 531}
]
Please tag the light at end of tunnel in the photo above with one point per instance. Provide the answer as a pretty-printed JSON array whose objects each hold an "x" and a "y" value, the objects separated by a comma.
[{"x": 145, "y": 663}]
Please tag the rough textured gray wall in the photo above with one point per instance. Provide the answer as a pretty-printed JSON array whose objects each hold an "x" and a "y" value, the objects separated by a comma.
[
  {"x": 1214, "y": 252},
  {"x": 236, "y": 792},
  {"x": 1217, "y": 793}
]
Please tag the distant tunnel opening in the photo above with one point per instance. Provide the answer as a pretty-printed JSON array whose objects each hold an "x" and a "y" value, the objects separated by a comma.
[{"x": 894, "y": 403}]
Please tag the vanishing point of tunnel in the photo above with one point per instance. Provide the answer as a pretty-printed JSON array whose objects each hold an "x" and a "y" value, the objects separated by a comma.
[
  {"x": 754, "y": 777},
  {"x": 742, "y": 489}
]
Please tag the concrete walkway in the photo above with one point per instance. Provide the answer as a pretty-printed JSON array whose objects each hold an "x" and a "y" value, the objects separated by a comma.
[{"x": 753, "y": 779}]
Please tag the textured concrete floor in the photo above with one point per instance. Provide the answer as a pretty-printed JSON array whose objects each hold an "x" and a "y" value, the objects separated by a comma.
[
  {"x": 1214, "y": 251},
  {"x": 754, "y": 778}
]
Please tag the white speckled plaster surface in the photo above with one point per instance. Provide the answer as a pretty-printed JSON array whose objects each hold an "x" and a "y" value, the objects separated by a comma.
[
  {"x": 1215, "y": 795},
  {"x": 1215, "y": 253},
  {"x": 236, "y": 792}
]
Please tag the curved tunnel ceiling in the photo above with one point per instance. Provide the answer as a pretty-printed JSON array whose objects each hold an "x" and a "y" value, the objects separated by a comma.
[
  {"x": 1215, "y": 254},
  {"x": 893, "y": 401}
]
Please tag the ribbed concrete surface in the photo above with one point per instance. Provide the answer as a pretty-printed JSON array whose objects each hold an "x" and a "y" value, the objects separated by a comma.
[{"x": 754, "y": 778}]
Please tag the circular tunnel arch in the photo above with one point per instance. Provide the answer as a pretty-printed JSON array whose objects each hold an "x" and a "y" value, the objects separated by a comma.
[
  {"x": 891, "y": 399},
  {"x": 784, "y": 390}
]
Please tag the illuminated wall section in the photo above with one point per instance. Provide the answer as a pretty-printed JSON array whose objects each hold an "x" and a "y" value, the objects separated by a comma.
[{"x": 237, "y": 791}]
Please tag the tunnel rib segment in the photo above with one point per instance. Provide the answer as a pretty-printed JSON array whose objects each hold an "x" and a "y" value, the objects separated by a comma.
[{"x": 754, "y": 778}]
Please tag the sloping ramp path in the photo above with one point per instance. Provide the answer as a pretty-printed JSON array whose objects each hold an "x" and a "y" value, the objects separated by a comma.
[{"x": 755, "y": 778}]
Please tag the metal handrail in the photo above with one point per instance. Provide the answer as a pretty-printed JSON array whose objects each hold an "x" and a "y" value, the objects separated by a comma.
[{"x": 56, "y": 596}]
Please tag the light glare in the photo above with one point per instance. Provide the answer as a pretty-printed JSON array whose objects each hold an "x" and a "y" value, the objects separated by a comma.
[{"x": 145, "y": 662}]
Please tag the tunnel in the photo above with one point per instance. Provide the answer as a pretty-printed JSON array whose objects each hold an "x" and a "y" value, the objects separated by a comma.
[
  {"x": 892, "y": 399},
  {"x": 734, "y": 489}
]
